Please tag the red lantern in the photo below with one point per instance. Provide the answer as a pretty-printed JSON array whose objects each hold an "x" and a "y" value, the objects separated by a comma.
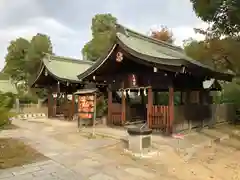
[{"x": 133, "y": 80}]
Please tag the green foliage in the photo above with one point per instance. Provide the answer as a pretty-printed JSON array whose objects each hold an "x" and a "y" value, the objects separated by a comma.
[
  {"x": 101, "y": 106},
  {"x": 103, "y": 33},
  {"x": 220, "y": 53},
  {"x": 23, "y": 60},
  {"x": 15, "y": 59},
  {"x": 224, "y": 14},
  {"x": 6, "y": 103},
  {"x": 24, "y": 57},
  {"x": 4, "y": 76},
  {"x": 163, "y": 98},
  {"x": 39, "y": 45},
  {"x": 230, "y": 93},
  {"x": 28, "y": 98}
]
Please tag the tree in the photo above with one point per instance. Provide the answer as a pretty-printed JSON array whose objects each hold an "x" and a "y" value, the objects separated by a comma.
[
  {"x": 103, "y": 35},
  {"x": 23, "y": 60},
  {"x": 6, "y": 104},
  {"x": 223, "y": 14},
  {"x": 15, "y": 59},
  {"x": 164, "y": 35},
  {"x": 24, "y": 57},
  {"x": 220, "y": 53},
  {"x": 197, "y": 50},
  {"x": 39, "y": 45}
]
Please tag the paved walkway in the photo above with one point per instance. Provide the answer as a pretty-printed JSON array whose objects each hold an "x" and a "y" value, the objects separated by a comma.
[
  {"x": 74, "y": 156},
  {"x": 71, "y": 155},
  {"x": 187, "y": 146}
]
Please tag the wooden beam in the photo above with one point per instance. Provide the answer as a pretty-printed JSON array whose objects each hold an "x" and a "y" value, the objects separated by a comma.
[
  {"x": 171, "y": 110},
  {"x": 50, "y": 104},
  {"x": 149, "y": 107},
  {"x": 73, "y": 106}
]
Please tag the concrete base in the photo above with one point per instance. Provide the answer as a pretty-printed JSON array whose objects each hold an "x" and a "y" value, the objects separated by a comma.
[
  {"x": 139, "y": 143},
  {"x": 147, "y": 154}
]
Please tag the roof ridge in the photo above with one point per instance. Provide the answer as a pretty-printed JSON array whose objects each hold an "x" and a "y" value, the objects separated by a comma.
[
  {"x": 124, "y": 30},
  {"x": 64, "y": 58},
  {"x": 157, "y": 41}
]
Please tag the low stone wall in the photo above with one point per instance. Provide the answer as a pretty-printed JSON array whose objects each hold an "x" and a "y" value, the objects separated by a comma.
[{"x": 33, "y": 108}]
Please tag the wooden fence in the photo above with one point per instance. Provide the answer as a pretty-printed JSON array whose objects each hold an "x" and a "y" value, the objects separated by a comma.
[
  {"x": 159, "y": 117},
  {"x": 186, "y": 117},
  {"x": 197, "y": 116}
]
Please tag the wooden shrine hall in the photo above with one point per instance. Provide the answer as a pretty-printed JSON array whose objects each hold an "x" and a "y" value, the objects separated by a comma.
[
  {"x": 138, "y": 68},
  {"x": 59, "y": 76}
]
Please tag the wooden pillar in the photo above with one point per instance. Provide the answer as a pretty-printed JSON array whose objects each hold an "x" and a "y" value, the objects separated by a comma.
[
  {"x": 50, "y": 104},
  {"x": 67, "y": 110},
  {"x": 109, "y": 119},
  {"x": 54, "y": 106},
  {"x": 171, "y": 110},
  {"x": 123, "y": 116},
  {"x": 149, "y": 107},
  {"x": 73, "y": 106}
]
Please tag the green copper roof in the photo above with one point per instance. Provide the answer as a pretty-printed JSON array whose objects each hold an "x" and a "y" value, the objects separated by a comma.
[
  {"x": 65, "y": 68},
  {"x": 4, "y": 76},
  {"x": 153, "y": 51},
  {"x": 7, "y": 86},
  {"x": 62, "y": 68}
]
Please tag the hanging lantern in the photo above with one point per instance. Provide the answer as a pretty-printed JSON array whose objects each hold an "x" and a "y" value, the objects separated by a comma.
[
  {"x": 124, "y": 93},
  {"x": 54, "y": 95},
  {"x": 145, "y": 92},
  {"x": 132, "y": 78},
  {"x": 183, "y": 69},
  {"x": 76, "y": 100},
  {"x": 46, "y": 73},
  {"x": 69, "y": 97},
  {"x": 139, "y": 93},
  {"x": 154, "y": 69}
]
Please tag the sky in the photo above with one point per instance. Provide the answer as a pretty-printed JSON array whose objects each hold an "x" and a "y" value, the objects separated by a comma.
[{"x": 68, "y": 22}]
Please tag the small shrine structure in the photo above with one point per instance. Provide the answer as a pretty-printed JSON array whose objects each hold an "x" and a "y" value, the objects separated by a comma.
[
  {"x": 137, "y": 68},
  {"x": 59, "y": 76}
]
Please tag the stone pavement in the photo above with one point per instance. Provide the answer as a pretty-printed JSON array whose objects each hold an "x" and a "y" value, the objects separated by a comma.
[
  {"x": 191, "y": 143},
  {"x": 71, "y": 156}
]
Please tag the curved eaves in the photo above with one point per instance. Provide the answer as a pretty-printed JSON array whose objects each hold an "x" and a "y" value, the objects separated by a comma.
[
  {"x": 164, "y": 60},
  {"x": 97, "y": 64},
  {"x": 154, "y": 55},
  {"x": 57, "y": 77},
  {"x": 38, "y": 75}
]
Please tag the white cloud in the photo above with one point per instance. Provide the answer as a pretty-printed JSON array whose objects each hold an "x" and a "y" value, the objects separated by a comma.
[
  {"x": 57, "y": 31},
  {"x": 182, "y": 33}
]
